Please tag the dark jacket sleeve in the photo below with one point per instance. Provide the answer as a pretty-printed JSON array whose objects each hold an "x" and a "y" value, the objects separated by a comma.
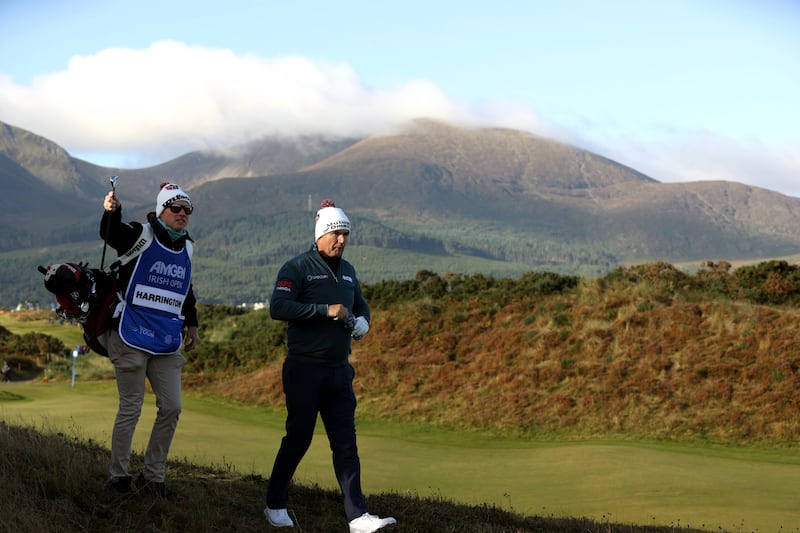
[
  {"x": 360, "y": 306},
  {"x": 189, "y": 309},
  {"x": 284, "y": 304},
  {"x": 117, "y": 234}
]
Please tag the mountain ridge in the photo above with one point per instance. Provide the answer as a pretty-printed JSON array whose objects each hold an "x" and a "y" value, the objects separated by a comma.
[{"x": 470, "y": 193}]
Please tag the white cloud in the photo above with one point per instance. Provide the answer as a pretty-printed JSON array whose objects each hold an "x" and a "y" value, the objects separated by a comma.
[
  {"x": 134, "y": 108},
  {"x": 172, "y": 98},
  {"x": 707, "y": 156}
]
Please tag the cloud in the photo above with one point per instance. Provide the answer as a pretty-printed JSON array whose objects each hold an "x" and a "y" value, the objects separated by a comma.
[
  {"x": 708, "y": 156},
  {"x": 135, "y": 108},
  {"x": 172, "y": 98}
]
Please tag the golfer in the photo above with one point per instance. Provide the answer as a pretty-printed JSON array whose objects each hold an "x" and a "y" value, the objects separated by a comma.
[{"x": 318, "y": 294}]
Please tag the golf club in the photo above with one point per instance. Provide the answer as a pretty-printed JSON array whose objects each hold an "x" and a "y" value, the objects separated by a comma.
[{"x": 113, "y": 181}]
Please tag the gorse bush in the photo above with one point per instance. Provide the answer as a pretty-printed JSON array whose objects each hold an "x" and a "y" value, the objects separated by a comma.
[
  {"x": 770, "y": 282},
  {"x": 235, "y": 339},
  {"x": 35, "y": 344},
  {"x": 460, "y": 287}
]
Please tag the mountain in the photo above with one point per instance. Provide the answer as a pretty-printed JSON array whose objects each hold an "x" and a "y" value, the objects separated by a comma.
[
  {"x": 426, "y": 196},
  {"x": 431, "y": 175},
  {"x": 270, "y": 155},
  {"x": 37, "y": 177}
]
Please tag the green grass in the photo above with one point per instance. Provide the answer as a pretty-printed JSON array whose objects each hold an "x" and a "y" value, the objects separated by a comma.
[
  {"x": 70, "y": 334},
  {"x": 55, "y": 482},
  {"x": 733, "y": 489}
]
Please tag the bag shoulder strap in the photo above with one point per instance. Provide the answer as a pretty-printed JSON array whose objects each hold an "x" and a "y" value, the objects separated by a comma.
[
  {"x": 145, "y": 240},
  {"x": 143, "y": 243}
]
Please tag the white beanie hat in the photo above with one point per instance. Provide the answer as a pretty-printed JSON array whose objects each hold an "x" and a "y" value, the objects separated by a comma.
[
  {"x": 330, "y": 219},
  {"x": 168, "y": 194}
]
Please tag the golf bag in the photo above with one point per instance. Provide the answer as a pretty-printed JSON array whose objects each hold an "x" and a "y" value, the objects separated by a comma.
[
  {"x": 90, "y": 295},
  {"x": 85, "y": 295}
]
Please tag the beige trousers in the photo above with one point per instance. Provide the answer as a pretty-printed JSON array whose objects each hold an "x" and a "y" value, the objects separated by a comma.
[{"x": 131, "y": 367}]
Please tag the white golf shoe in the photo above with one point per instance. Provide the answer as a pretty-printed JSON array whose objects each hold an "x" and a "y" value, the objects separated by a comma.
[
  {"x": 278, "y": 517},
  {"x": 367, "y": 523}
]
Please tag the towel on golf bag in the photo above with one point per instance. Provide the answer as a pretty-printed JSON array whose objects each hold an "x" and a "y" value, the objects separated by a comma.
[{"x": 86, "y": 295}]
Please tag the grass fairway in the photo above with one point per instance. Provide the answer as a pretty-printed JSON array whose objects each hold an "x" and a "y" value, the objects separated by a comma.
[
  {"x": 710, "y": 488},
  {"x": 42, "y": 322}
]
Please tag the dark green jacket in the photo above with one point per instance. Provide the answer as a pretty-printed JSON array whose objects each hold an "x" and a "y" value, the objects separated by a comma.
[{"x": 304, "y": 289}]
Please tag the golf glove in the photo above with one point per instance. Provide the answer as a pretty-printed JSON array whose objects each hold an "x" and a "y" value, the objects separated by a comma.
[{"x": 360, "y": 328}]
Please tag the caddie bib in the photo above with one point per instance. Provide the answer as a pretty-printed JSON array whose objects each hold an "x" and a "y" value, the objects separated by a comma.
[{"x": 151, "y": 319}]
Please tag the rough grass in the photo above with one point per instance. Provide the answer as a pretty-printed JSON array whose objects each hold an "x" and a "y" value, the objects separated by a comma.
[{"x": 55, "y": 482}]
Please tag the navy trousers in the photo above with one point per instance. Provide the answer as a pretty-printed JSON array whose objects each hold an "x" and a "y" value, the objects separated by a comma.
[{"x": 328, "y": 391}]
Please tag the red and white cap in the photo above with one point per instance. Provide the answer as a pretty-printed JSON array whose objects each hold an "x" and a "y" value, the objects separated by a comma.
[{"x": 168, "y": 194}]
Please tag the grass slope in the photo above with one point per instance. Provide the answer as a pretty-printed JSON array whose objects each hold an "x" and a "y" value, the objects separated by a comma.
[
  {"x": 712, "y": 488},
  {"x": 54, "y": 481}
]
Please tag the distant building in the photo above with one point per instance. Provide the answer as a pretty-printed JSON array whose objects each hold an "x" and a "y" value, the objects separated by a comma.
[
  {"x": 27, "y": 306},
  {"x": 254, "y": 306}
]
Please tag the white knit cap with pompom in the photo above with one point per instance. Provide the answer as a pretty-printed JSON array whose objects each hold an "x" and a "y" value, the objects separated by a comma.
[
  {"x": 330, "y": 219},
  {"x": 168, "y": 194}
]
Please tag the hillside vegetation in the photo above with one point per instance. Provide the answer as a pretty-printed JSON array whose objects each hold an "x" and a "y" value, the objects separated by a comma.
[
  {"x": 647, "y": 351},
  {"x": 237, "y": 259}
]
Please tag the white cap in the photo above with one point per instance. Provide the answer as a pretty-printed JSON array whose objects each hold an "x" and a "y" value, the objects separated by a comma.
[
  {"x": 330, "y": 219},
  {"x": 168, "y": 194}
]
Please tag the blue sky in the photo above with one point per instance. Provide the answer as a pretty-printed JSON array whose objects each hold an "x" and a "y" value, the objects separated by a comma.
[{"x": 680, "y": 90}]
